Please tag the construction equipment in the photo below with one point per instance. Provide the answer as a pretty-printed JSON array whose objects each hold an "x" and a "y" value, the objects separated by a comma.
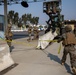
[{"x": 56, "y": 20}]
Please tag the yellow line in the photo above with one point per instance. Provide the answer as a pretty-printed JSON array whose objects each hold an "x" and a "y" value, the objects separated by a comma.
[
  {"x": 22, "y": 43},
  {"x": 49, "y": 40},
  {"x": 27, "y": 44}
]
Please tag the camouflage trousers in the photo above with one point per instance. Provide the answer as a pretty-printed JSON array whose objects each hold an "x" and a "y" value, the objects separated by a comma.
[
  {"x": 75, "y": 32},
  {"x": 9, "y": 44},
  {"x": 36, "y": 36},
  {"x": 70, "y": 49},
  {"x": 30, "y": 36}
]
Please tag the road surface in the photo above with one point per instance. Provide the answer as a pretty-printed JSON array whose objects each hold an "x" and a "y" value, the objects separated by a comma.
[{"x": 31, "y": 61}]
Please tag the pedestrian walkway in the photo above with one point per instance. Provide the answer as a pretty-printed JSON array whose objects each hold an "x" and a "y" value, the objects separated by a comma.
[{"x": 37, "y": 62}]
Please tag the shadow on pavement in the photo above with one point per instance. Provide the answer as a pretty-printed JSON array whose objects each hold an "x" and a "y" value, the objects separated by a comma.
[
  {"x": 57, "y": 59},
  {"x": 11, "y": 48}
]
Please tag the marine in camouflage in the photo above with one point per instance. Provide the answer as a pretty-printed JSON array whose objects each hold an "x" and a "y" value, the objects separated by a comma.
[
  {"x": 8, "y": 36},
  {"x": 36, "y": 32},
  {"x": 69, "y": 43}
]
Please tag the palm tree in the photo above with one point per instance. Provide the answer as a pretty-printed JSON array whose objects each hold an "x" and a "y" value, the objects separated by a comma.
[
  {"x": 24, "y": 18},
  {"x": 16, "y": 18},
  {"x": 11, "y": 16},
  {"x": 29, "y": 17},
  {"x": 36, "y": 20}
]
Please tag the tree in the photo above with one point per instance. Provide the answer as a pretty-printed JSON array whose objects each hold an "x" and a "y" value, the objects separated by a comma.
[
  {"x": 16, "y": 18},
  {"x": 34, "y": 20},
  {"x": 20, "y": 22},
  {"x": 24, "y": 18},
  {"x": 29, "y": 17},
  {"x": 11, "y": 16}
]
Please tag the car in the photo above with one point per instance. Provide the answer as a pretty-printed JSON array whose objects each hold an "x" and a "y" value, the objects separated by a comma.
[{"x": 5, "y": 56}]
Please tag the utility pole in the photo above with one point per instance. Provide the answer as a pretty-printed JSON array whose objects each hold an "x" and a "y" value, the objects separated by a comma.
[{"x": 5, "y": 15}]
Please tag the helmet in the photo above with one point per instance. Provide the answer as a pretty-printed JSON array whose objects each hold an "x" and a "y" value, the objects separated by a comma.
[{"x": 68, "y": 28}]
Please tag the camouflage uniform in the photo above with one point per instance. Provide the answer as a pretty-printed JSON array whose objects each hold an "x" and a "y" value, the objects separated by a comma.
[
  {"x": 8, "y": 36},
  {"x": 36, "y": 32},
  {"x": 69, "y": 42},
  {"x": 75, "y": 30},
  {"x": 29, "y": 32}
]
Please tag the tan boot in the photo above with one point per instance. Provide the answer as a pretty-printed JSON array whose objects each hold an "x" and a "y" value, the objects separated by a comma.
[
  {"x": 62, "y": 63},
  {"x": 37, "y": 48},
  {"x": 74, "y": 70}
]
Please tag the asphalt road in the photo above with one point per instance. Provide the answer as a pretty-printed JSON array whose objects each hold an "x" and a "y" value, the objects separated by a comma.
[{"x": 24, "y": 34}]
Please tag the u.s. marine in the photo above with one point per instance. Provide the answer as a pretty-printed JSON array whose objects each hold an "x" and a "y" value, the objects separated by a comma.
[
  {"x": 69, "y": 42},
  {"x": 8, "y": 36}
]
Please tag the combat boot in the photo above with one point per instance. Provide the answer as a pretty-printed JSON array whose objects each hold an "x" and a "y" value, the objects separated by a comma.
[
  {"x": 37, "y": 48},
  {"x": 62, "y": 63},
  {"x": 74, "y": 70}
]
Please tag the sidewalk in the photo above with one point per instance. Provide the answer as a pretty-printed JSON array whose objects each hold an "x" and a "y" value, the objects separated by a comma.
[{"x": 37, "y": 62}]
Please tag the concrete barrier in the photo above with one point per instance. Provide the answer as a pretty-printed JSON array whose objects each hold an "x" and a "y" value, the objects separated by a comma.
[
  {"x": 44, "y": 40},
  {"x": 5, "y": 57}
]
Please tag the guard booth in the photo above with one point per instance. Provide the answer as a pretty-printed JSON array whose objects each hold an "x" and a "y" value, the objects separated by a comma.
[{"x": 1, "y": 22}]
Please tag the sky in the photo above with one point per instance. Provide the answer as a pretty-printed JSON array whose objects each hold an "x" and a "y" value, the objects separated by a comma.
[{"x": 36, "y": 9}]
